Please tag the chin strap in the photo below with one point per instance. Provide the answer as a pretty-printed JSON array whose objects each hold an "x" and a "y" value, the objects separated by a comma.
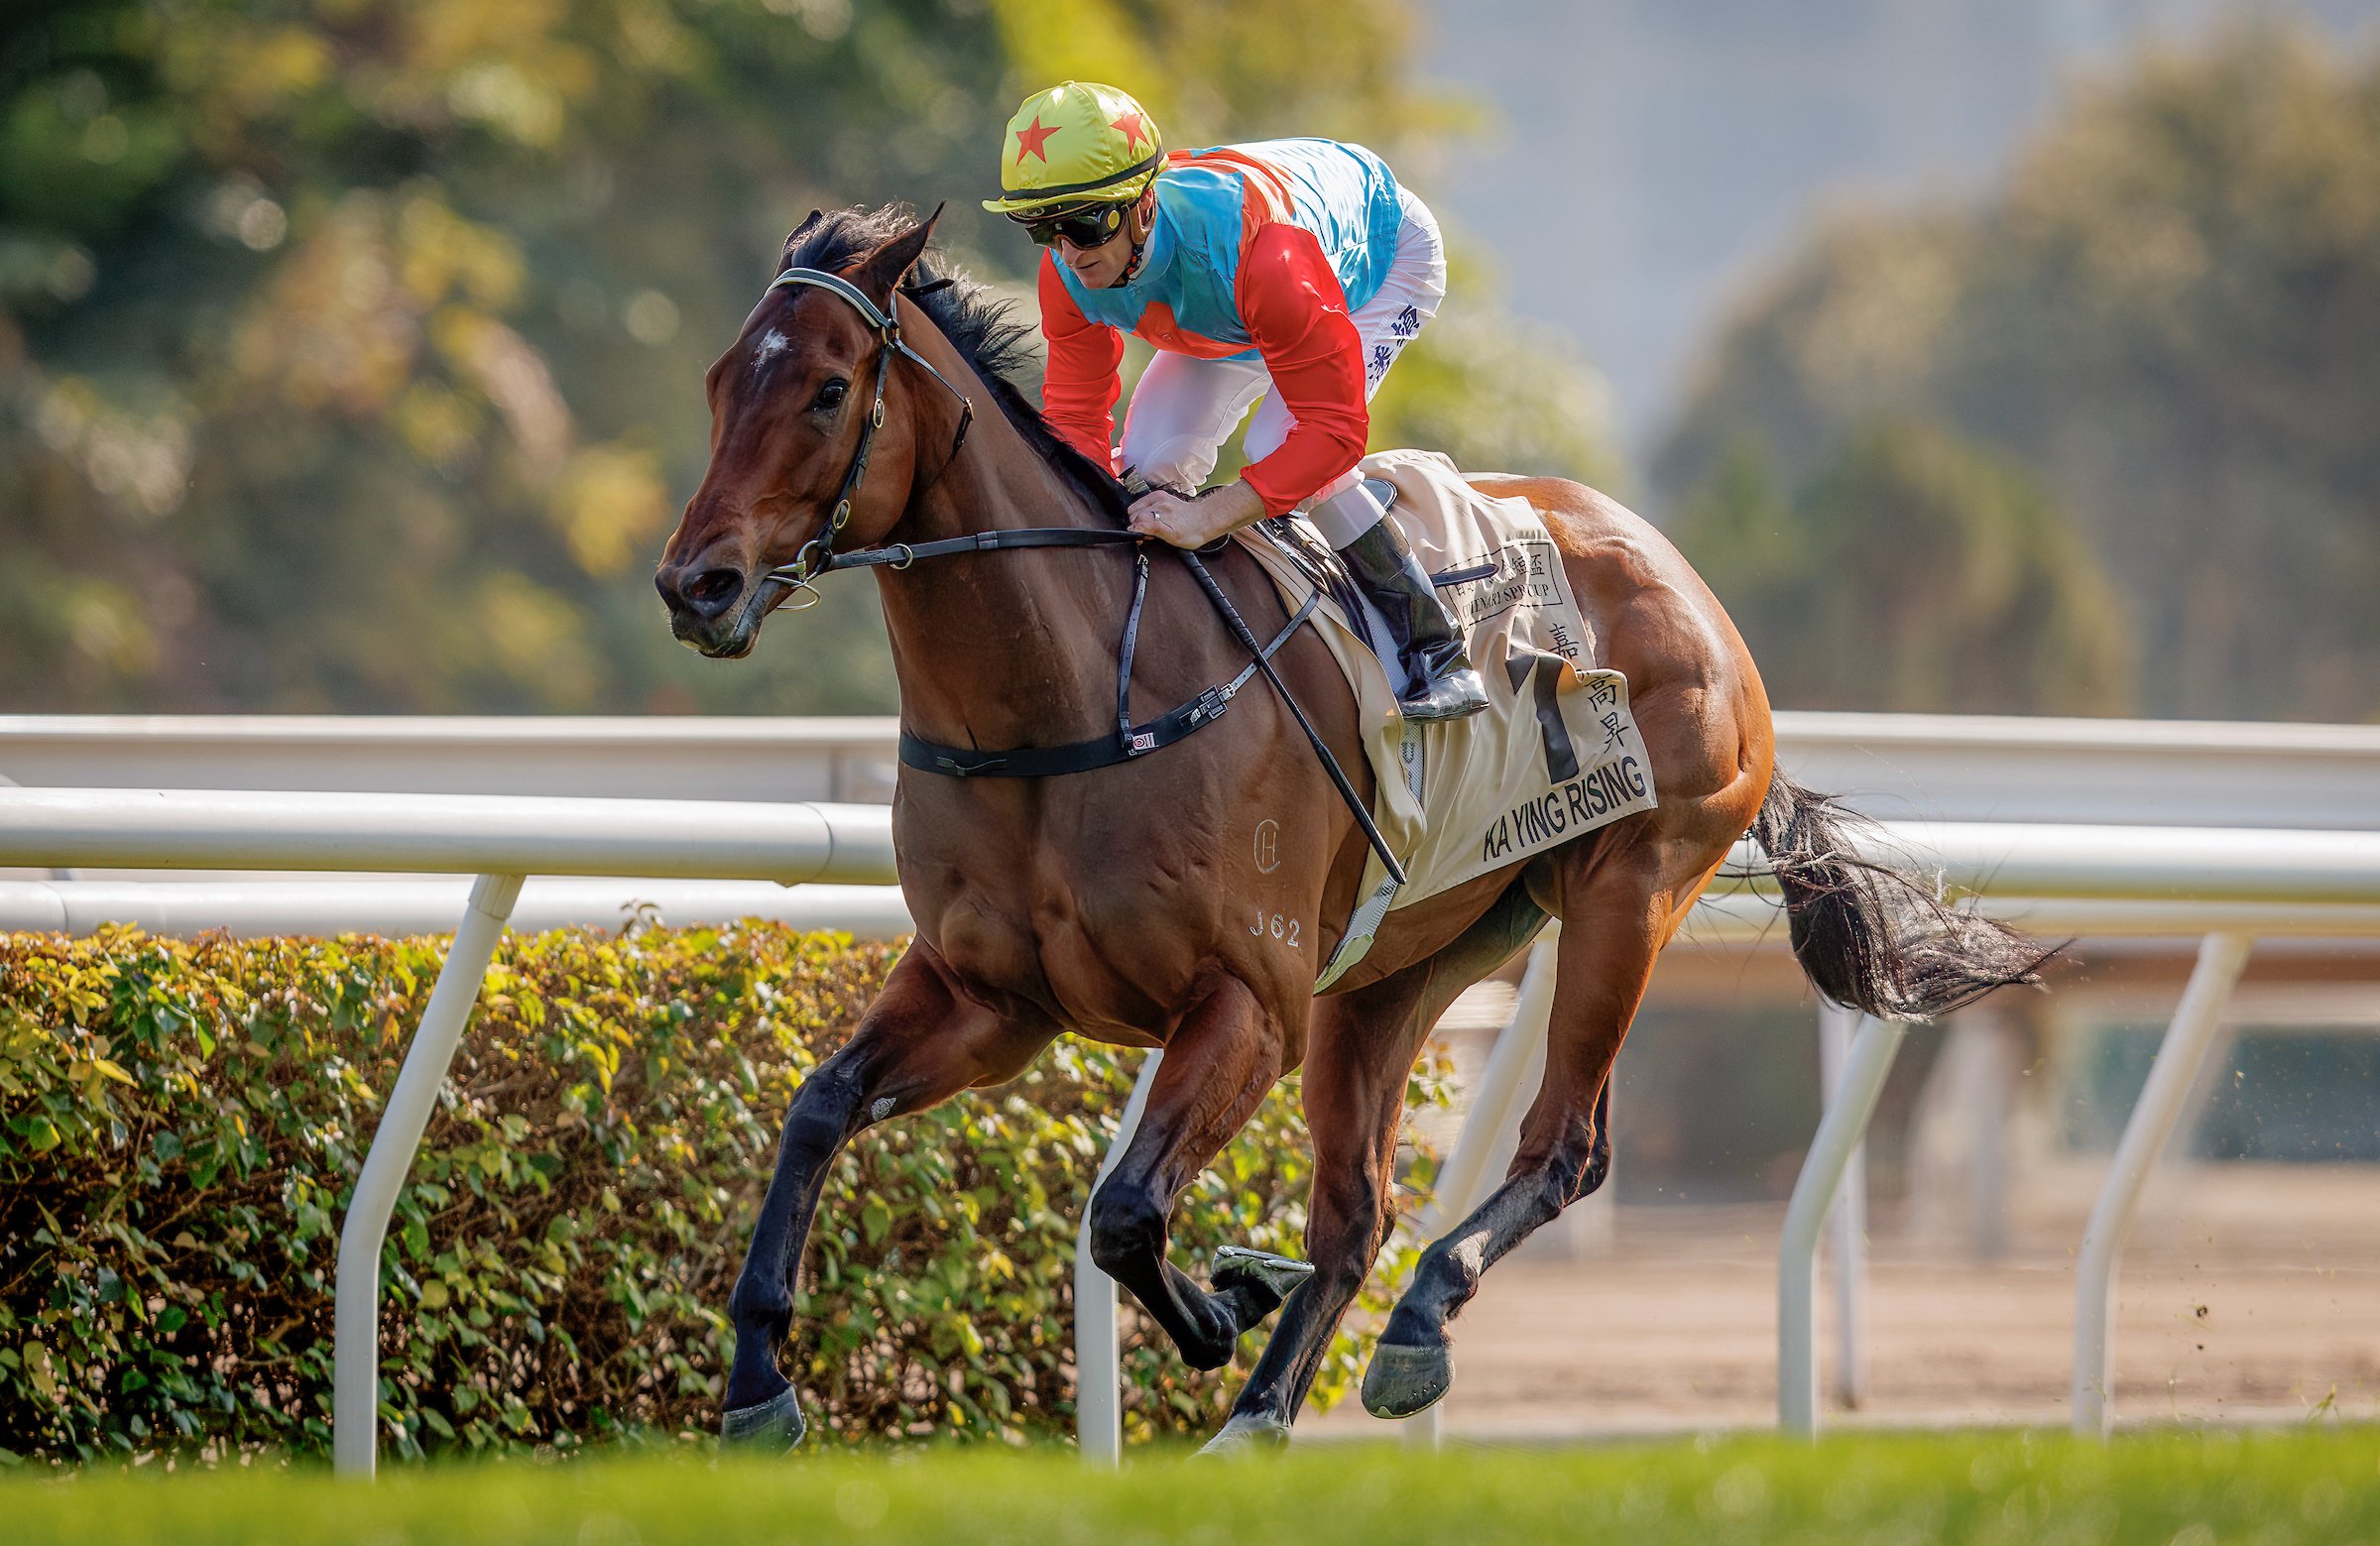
[{"x": 1132, "y": 270}]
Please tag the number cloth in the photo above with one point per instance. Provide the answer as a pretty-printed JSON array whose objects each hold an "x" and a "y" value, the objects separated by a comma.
[{"x": 1556, "y": 751}]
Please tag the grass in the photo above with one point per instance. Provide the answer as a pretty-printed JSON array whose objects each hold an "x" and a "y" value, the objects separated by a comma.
[{"x": 2169, "y": 1489}]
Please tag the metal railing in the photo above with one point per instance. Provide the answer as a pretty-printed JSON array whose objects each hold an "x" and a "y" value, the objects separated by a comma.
[
  {"x": 498, "y": 839},
  {"x": 2228, "y": 884},
  {"x": 2224, "y": 886},
  {"x": 1932, "y": 767},
  {"x": 2223, "y": 883}
]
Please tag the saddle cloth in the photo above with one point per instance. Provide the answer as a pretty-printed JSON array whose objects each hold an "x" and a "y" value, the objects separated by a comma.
[{"x": 1554, "y": 753}]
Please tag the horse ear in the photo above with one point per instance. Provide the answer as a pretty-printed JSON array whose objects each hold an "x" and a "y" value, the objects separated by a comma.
[
  {"x": 883, "y": 267},
  {"x": 784, "y": 258}
]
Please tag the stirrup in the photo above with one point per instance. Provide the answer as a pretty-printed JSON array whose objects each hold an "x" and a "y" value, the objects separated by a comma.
[
  {"x": 1455, "y": 694},
  {"x": 1236, "y": 1264}
]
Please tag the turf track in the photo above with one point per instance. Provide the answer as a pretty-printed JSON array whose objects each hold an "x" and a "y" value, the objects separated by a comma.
[{"x": 2267, "y": 1489}]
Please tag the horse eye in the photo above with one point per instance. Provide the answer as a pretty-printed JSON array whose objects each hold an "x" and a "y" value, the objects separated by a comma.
[{"x": 830, "y": 396}]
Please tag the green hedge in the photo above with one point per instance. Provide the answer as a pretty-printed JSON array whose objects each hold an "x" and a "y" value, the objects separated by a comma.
[{"x": 181, "y": 1125}]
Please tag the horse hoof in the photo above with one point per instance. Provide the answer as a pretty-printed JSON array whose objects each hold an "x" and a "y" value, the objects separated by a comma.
[
  {"x": 1402, "y": 1380},
  {"x": 1246, "y": 1433},
  {"x": 773, "y": 1427},
  {"x": 1236, "y": 1266}
]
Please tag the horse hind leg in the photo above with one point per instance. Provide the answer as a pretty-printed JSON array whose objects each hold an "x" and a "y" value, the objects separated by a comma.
[
  {"x": 1604, "y": 959},
  {"x": 1360, "y": 1051},
  {"x": 1219, "y": 1065}
]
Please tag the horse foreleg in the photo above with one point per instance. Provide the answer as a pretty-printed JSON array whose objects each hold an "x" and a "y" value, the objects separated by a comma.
[
  {"x": 920, "y": 1043},
  {"x": 1616, "y": 917},
  {"x": 1361, "y": 1052},
  {"x": 1219, "y": 1064}
]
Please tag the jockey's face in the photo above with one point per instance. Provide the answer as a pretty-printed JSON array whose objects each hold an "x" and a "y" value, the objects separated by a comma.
[{"x": 1103, "y": 265}]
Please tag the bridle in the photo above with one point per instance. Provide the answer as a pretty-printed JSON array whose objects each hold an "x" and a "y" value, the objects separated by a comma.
[
  {"x": 1127, "y": 741},
  {"x": 819, "y": 554}
]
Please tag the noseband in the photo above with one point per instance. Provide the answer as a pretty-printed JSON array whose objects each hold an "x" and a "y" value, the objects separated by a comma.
[{"x": 819, "y": 554}]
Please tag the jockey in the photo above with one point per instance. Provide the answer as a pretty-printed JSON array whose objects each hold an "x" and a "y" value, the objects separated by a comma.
[{"x": 1297, "y": 266}]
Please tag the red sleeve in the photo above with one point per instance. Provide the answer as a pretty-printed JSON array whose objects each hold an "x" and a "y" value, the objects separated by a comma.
[
  {"x": 1079, "y": 386},
  {"x": 1296, "y": 314}
]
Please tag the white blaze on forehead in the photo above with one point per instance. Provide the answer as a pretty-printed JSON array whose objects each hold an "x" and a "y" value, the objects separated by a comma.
[{"x": 772, "y": 343}]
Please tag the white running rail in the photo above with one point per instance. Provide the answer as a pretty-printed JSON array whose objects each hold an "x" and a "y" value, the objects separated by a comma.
[
  {"x": 2224, "y": 885},
  {"x": 498, "y": 839},
  {"x": 2155, "y": 773},
  {"x": 2230, "y": 884}
]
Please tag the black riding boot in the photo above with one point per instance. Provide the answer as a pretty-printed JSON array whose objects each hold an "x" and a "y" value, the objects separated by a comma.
[{"x": 1444, "y": 685}]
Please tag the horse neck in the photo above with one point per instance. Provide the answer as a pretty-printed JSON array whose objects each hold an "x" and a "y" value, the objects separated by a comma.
[{"x": 997, "y": 649}]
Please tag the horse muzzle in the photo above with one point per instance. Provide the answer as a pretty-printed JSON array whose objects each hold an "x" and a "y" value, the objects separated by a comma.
[{"x": 715, "y": 609}]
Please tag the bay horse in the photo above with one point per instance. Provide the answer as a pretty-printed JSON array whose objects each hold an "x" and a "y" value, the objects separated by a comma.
[{"x": 1131, "y": 904}]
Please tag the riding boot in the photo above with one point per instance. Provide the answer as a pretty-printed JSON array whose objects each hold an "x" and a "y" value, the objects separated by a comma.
[{"x": 1444, "y": 685}]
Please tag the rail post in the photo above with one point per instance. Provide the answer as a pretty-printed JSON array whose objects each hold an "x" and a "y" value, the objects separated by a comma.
[
  {"x": 1847, "y": 1223},
  {"x": 355, "y": 1359},
  {"x": 1097, "y": 1336},
  {"x": 2222, "y": 957},
  {"x": 1839, "y": 1133}
]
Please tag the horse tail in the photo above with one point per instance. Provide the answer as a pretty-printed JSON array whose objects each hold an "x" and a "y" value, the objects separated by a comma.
[{"x": 1870, "y": 936}]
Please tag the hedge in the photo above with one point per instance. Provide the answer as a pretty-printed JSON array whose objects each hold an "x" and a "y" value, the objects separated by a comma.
[{"x": 181, "y": 1122}]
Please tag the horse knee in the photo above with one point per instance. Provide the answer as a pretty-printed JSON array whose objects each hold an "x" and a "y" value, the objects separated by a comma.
[
  {"x": 1127, "y": 1228},
  {"x": 820, "y": 1118}
]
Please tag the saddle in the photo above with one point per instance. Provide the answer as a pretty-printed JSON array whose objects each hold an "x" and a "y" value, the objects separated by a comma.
[{"x": 1556, "y": 753}]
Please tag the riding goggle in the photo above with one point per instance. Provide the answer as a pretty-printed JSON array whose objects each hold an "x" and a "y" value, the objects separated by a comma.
[{"x": 1084, "y": 228}]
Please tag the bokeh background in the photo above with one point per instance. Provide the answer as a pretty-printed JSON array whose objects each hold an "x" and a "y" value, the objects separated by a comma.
[
  {"x": 1999, "y": 355},
  {"x": 1988, "y": 356}
]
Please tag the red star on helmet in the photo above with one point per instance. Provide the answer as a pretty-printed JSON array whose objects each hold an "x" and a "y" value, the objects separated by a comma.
[
  {"x": 1030, "y": 141},
  {"x": 1134, "y": 127}
]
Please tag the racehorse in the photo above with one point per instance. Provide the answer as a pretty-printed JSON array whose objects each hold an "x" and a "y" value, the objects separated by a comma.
[{"x": 1136, "y": 904}]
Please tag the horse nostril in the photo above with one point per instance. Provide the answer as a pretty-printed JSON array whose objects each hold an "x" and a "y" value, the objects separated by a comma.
[{"x": 713, "y": 591}]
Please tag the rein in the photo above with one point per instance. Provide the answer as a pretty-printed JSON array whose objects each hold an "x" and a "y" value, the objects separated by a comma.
[{"x": 819, "y": 556}]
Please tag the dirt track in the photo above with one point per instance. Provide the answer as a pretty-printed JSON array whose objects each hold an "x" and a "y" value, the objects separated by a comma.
[{"x": 2249, "y": 1292}]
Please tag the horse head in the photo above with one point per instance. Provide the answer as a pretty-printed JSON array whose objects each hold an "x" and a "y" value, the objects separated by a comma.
[{"x": 797, "y": 466}]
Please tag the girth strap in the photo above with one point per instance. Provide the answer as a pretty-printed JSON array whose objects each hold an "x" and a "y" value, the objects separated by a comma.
[
  {"x": 1105, "y": 751},
  {"x": 819, "y": 555}
]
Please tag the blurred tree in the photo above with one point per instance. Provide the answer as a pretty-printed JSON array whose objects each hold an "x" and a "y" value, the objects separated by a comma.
[
  {"x": 1913, "y": 572},
  {"x": 1496, "y": 394},
  {"x": 2171, "y": 315},
  {"x": 1479, "y": 384},
  {"x": 351, "y": 350}
]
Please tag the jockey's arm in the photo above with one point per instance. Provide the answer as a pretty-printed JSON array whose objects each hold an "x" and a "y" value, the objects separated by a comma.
[
  {"x": 1296, "y": 315},
  {"x": 1079, "y": 386}
]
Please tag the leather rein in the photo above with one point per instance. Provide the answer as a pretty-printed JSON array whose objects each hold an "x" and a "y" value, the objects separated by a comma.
[{"x": 1127, "y": 742}]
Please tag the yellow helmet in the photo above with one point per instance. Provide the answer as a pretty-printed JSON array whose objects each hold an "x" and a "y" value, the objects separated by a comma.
[{"x": 1073, "y": 143}]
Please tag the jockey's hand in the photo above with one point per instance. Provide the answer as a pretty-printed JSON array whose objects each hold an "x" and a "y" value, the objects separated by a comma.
[{"x": 1194, "y": 523}]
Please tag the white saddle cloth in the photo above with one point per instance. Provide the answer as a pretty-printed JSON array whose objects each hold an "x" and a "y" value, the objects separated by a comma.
[{"x": 1554, "y": 753}]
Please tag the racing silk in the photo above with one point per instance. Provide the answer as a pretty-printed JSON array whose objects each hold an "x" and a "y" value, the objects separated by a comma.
[{"x": 1257, "y": 250}]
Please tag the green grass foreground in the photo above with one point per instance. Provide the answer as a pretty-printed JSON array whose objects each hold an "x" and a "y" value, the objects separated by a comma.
[{"x": 2268, "y": 1488}]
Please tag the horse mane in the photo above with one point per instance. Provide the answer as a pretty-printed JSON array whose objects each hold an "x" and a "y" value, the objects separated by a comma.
[{"x": 981, "y": 326}]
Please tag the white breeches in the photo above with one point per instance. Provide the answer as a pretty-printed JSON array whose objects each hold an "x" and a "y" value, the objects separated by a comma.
[{"x": 1185, "y": 407}]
